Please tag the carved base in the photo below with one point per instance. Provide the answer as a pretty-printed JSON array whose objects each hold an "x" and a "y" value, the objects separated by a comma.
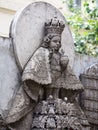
[{"x": 56, "y": 114}]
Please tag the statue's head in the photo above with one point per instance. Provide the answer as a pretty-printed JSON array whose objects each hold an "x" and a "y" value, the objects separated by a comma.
[{"x": 53, "y": 31}]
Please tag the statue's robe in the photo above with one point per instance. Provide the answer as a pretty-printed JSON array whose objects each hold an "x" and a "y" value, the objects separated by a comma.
[{"x": 37, "y": 71}]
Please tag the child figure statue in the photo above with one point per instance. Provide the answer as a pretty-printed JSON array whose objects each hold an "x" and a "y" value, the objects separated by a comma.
[{"x": 46, "y": 73}]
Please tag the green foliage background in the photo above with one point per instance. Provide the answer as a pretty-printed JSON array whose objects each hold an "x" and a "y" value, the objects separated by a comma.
[{"x": 85, "y": 27}]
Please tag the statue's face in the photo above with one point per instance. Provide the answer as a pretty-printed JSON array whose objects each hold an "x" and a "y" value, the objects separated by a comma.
[{"x": 55, "y": 43}]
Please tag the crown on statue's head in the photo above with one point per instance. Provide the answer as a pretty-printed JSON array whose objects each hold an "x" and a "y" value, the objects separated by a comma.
[{"x": 54, "y": 26}]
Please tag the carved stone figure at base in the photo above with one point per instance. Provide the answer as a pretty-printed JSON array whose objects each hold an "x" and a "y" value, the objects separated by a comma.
[
  {"x": 46, "y": 73},
  {"x": 57, "y": 114}
]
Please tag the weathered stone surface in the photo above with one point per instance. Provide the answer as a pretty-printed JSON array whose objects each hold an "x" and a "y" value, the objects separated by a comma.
[
  {"x": 9, "y": 75},
  {"x": 39, "y": 72},
  {"x": 92, "y": 70},
  {"x": 48, "y": 68},
  {"x": 45, "y": 70},
  {"x": 2, "y": 124},
  {"x": 82, "y": 62},
  {"x": 58, "y": 114},
  {"x": 27, "y": 31},
  {"x": 23, "y": 124},
  {"x": 90, "y": 95}
]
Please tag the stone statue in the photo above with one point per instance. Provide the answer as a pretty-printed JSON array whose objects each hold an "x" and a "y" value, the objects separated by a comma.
[
  {"x": 47, "y": 69},
  {"x": 46, "y": 73}
]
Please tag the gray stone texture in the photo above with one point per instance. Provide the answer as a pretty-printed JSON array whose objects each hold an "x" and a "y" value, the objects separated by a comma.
[
  {"x": 9, "y": 74},
  {"x": 82, "y": 62},
  {"x": 89, "y": 97},
  {"x": 58, "y": 114},
  {"x": 27, "y": 31}
]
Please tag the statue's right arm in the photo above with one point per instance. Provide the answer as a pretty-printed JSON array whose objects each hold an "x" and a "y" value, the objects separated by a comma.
[{"x": 32, "y": 89}]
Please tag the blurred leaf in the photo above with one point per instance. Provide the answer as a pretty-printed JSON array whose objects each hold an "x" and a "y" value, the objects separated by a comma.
[{"x": 85, "y": 29}]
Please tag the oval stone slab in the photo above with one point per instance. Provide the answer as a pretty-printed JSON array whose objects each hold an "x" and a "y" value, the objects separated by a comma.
[{"x": 27, "y": 31}]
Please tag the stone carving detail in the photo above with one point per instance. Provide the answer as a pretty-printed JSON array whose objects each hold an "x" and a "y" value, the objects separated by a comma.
[
  {"x": 47, "y": 72},
  {"x": 48, "y": 65},
  {"x": 55, "y": 114},
  {"x": 92, "y": 70}
]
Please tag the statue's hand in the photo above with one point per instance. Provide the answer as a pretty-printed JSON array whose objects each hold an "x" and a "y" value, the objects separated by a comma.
[{"x": 64, "y": 61}]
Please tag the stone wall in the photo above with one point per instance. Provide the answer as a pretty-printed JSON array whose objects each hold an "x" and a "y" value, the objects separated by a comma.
[
  {"x": 9, "y": 74},
  {"x": 89, "y": 97},
  {"x": 82, "y": 62}
]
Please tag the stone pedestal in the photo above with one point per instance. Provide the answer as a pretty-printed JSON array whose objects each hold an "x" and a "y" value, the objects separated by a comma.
[{"x": 57, "y": 114}]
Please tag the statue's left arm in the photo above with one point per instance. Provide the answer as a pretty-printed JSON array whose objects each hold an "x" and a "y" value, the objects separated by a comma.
[{"x": 64, "y": 62}]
